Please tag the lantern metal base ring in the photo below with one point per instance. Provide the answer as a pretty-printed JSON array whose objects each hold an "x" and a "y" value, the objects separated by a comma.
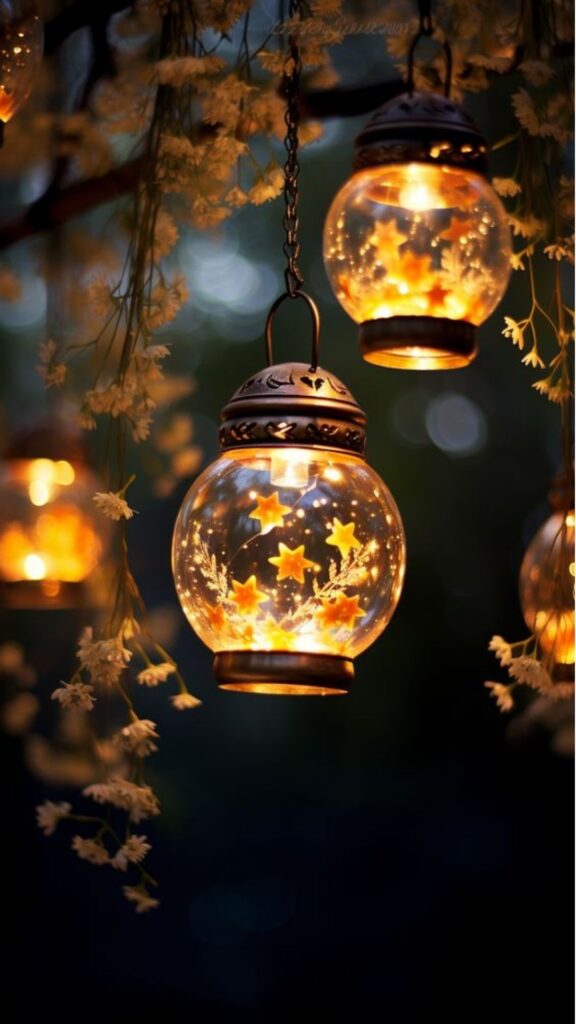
[
  {"x": 418, "y": 342},
  {"x": 283, "y": 673}
]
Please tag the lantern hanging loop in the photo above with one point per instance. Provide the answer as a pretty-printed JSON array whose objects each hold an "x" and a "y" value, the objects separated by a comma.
[
  {"x": 298, "y": 294},
  {"x": 426, "y": 31},
  {"x": 291, "y": 247}
]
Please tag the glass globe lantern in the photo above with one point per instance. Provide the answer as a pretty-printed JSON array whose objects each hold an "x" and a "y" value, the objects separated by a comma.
[
  {"x": 288, "y": 551},
  {"x": 416, "y": 243},
  {"x": 50, "y": 538},
  {"x": 547, "y": 587},
  {"x": 21, "y": 47}
]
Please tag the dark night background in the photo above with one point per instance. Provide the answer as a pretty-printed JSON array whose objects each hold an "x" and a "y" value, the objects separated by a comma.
[{"x": 400, "y": 854}]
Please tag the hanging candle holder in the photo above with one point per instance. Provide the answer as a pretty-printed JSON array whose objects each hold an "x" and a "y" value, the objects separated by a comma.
[
  {"x": 288, "y": 551},
  {"x": 51, "y": 537},
  {"x": 21, "y": 46},
  {"x": 416, "y": 243},
  {"x": 547, "y": 583}
]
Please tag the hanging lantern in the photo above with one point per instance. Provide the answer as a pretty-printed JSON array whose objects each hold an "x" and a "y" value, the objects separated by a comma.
[
  {"x": 21, "y": 45},
  {"x": 547, "y": 587},
  {"x": 416, "y": 243},
  {"x": 50, "y": 539},
  {"x": 288, "y": 551}
]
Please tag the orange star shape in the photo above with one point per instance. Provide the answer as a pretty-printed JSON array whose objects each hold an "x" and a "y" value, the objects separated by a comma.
[
  {"x": 342, "y": 537},
  {"x": 269, "y": 511},
  {"x": 413, "y": 269},
  {"x": 278, "y": 638},
  {"x": 216, "y": 616},
  {"x": 456, "y": 229},
  {"x": 437, "y": 294},
  {"x": 291, "y": 563},
  {"x": 386, "y": 239},
  {"x": 247, "y": 597},
  {"x": 339, "y": 611}
]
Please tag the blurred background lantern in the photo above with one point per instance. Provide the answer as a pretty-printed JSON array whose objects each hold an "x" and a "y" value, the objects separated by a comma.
[
  {"x": 416, "y": 243},
  {"x": 289, "y": 551},
  {"x": 547, "y": 586},
  {"x": 21, "y": 45},
  {"x": 51, "y": 537}
]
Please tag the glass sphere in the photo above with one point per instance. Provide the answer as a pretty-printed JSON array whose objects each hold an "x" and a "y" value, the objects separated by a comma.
[
  {"x": 418, "y": 240},
  {"x": 547, "y": 587},
  {"x": 21, "y": 46},
  {"x": 288, "y": 550},
  {"x": 49, "y": 534}
]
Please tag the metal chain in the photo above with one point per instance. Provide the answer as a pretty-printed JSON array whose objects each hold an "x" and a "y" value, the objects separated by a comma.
[
  {"x": 291, "y": 248},
  {"x": 425, "y": 11}
]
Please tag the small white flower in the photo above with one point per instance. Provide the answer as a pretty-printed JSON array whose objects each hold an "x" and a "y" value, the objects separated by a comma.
[
  {"x": 530, "y": 672},
  {"x": 104, "y": 660},
  {"x": 75, "y": 696},
  {"x": 49, "y": 814},
  {"x": 90, "y": 850},
  {"x": 138, "y": 737},
  {"x": 113, "y": 505},
  {"x": 155, "y": 674},
  {"x": 133, "y": 851},
  {"x": 140, "y": 801},
  {"x": 506, "y": 186},
  {"x": 141, "y": 899},
  {"x": 502, "y": 649},
  {"x": 502, "y": 695},
  {"x": 183, "y": 701}
]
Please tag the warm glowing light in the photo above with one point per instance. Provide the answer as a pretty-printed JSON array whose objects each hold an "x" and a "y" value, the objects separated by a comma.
[
  {"x": 290, "y": 468},
  {"x": 417, "y": 240},
  {"x": 39, "y": 492},
  {"x": 34, "y": 567},
  {"x": 48, "y": 529},
  {"x": 306, "y": 582},
  {"x": 21, "y": 42},
  {"x": 547, "y": 588}
]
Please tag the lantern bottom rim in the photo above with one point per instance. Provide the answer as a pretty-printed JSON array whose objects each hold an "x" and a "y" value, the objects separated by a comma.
[
  {"x": 418, "y": 342},
  {"x": 42, "y": 595},
  {"x": 284, "y": 673}
]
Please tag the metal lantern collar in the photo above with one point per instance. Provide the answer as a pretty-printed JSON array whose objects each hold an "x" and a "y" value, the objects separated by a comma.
[{"x": 294, "y": 404}]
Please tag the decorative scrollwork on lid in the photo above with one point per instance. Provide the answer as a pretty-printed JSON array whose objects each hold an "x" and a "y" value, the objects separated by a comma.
[{"x": 304, "y": 431}]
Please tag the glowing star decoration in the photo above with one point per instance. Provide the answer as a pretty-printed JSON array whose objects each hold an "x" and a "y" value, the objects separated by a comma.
[
  {"x": 343, "y": 537},
  {"x": 417, "y": 243},
  {"x": 247, "y": 597},
  {"x": 387, "y": 239},
  {"x": 270, "y": 512},
  {"x": 457, "y": 229},
  {"x": 340, "y": 612},
  {"x": 215, "y": 616},
  {"x": 291, "y": 564}
]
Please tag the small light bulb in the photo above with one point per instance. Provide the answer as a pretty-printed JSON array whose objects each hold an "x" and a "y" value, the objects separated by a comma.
[
  {"x": 290, "y": 468},
  {"x": 34, "y": 567}
]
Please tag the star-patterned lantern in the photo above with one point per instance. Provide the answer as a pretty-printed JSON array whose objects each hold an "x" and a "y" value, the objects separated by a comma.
[
  {"x": 288, "y": 551},
  {"x": 547, "y": 588},
  {"x": 416, "y": 243},
  {"x": 51, "y": 539}
]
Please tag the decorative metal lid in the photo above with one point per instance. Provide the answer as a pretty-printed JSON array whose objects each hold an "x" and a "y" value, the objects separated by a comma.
[
  {"x": 294, "y": 405},
  {"x": 421, "y": 126}
]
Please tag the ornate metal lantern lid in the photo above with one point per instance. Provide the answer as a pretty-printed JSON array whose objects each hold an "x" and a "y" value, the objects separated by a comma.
[
  {"x": 294, "y": 405},
  {"x": 425, "y": 127}
]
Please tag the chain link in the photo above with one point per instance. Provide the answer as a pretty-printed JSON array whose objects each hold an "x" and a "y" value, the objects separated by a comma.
[{"x": 291, "y": 248}]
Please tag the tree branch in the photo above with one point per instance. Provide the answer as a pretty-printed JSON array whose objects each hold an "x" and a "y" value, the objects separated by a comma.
[{"x": 53, "y": 210}]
